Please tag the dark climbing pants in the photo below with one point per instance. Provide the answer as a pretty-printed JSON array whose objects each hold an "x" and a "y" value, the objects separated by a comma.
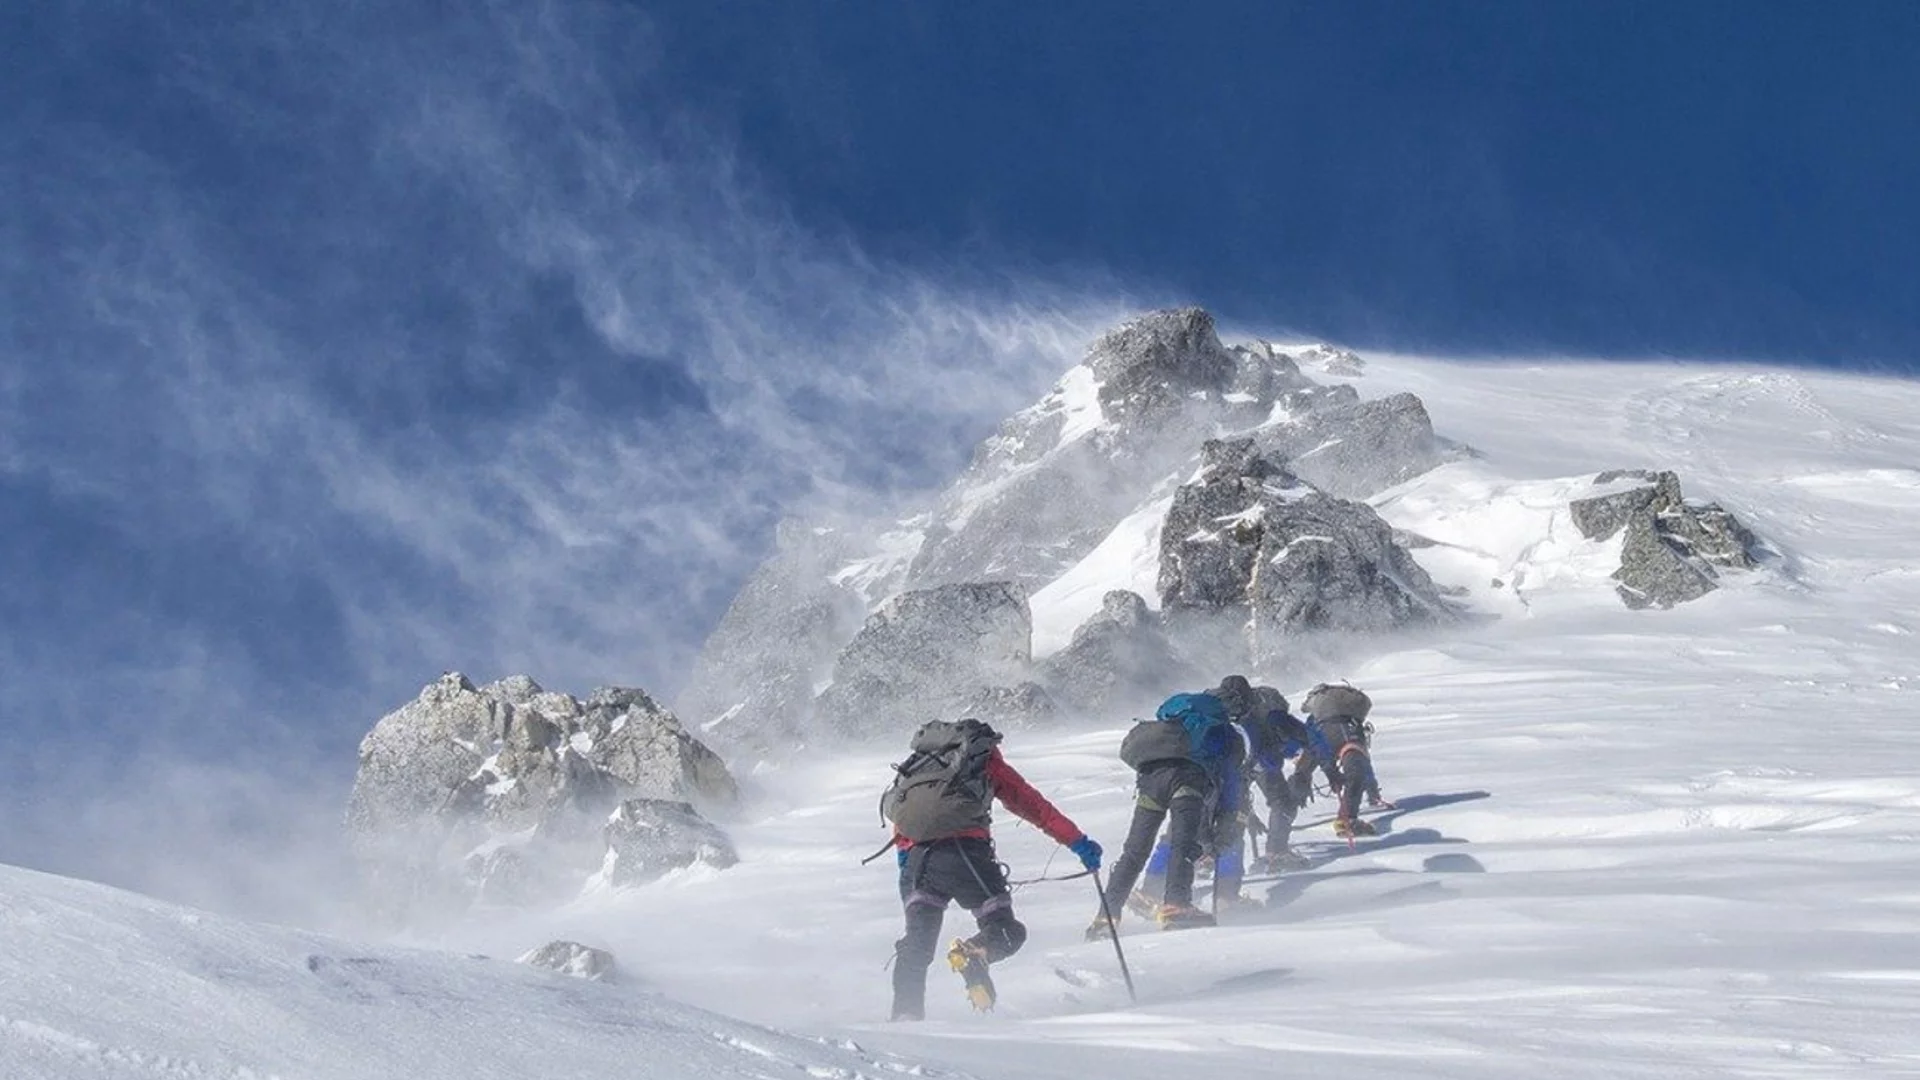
[
  {"x": 1351, "y": 778},
  {"x": 1175, "y": 790},
  {"x": 1283, "y": 806},
  {"x": 961, "y": 870}
]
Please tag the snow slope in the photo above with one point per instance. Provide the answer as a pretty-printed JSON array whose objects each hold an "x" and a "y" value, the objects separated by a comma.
[
  {"x": 100, "y": 983},
  {"x": 1638, "y": 844}
]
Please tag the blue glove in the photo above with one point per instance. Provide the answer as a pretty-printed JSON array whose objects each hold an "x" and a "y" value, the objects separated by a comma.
[{"x": 1088, "y": 851}]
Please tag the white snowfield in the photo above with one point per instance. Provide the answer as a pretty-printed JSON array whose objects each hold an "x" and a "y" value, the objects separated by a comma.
[{"x": 1637, "y": 844}]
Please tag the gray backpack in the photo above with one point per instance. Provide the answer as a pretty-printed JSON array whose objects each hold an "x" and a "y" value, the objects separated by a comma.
[
  {"x": 1149, "y": 741},
  {"x": 1325, "y": 702},
  {"x": 942, "y": 789}
]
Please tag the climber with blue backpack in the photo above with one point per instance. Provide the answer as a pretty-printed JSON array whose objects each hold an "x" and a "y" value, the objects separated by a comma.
[
  {"x": 1186, "y": 761},
  {"x": 1270, "y": 735}
]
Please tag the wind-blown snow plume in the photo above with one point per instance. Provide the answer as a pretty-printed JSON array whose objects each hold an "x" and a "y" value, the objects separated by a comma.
[{"x": 353, "y": 344}]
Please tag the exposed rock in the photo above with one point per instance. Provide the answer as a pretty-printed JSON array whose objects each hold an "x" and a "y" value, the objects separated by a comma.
[
  {"x": 1262, "y": 376},
  {"x": 1156, "y": 362},
  {"x": 1329, "y": 564},
  {"x": 1655, "y": 573},
  {"x": 1056, "y": 478},
  {"x": 1212, "y": 534},
  {"x": 1119, "y": 659},
  {"x": 1336, "y": 362},
  {"x": 643, "y": 746},
  {"x": 1008, "y": 708},
  {"x": 1031, "y": 523},
  {"x": 500, "y": 794},
  {"x": 575, "y": 959},
  {"x": 752, "y": 686},
  {"x": 1598, "y": 517},
  {"x": 1672, "y": 547},
  {"x": 1354, "y": 450},
  {"x": 1248, "y": 537},
  {"x": 413, "y": 758},
  {"x": 1312, "y": 399},
  {"x": 929, "y": 653},
  {"x": 648, "y": 838}
]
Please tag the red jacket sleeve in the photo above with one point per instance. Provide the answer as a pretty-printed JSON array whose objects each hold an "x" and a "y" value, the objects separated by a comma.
[{"x": 1017, "y": 795}]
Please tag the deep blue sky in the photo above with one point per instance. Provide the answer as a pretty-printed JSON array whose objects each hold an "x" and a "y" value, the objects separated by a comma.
[
  {"x": 1727, "y": 178},
  {"x": 344, "y": 343}
]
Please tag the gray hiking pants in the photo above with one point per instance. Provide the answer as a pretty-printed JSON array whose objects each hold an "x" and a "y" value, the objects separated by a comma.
[
  {"x": 1284, "y": 801},
  {"x": 963, "y": 870},
  {"x": 1175, "y": 790}
]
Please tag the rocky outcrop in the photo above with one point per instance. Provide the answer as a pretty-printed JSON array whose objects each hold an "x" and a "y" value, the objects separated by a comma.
[
  {"x": 1008, "y": 708},
  {"x": 752, "y": 686},
  {"x": 839, "y": 608},
  {"x": 929, "y": 653},
  {"x": 1056, "y": 478},
  {"x": 1250, "y": 539},
  {"x": 1118, "y": 660},
  {"x": 574, "y": 959},
  {"x": 500, "y": 794},
  {"x": 1155, "y": 364},
  {"x": 1336, "y": 362},
  {"x": 1673, "y": 550},
  {"x": 1354, "y": 449},
  {"x": 649, "y": 838}
]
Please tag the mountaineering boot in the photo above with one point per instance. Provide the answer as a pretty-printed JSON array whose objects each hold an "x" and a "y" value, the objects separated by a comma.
[
  {"x": 1100, "y": 929},
  {"x": 1348, "y": 828},
  {"x": 1375, "y": 802},
  {"x": 1228, "y": 903},
  {"x": 1182, "y": 917},
  {"x": 1143, "y": 904},
  {"x": 1287, "y": 859},
  {"x": 970, "y": 961}
]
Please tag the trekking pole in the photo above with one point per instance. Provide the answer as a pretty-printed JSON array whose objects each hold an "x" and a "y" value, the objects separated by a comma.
[{"x": 1113, "y": 928}]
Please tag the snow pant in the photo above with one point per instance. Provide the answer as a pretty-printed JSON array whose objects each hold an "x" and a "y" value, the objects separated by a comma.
[
  {"x": 1283, "y": 806},
  {"x": 1227, "y": 840},
  {"x": 1175, "y": 793},
  {"x": 963, "y": 870},
  {"x": 1351, "y": 777},
  {"x": 1223, "y": 837}
]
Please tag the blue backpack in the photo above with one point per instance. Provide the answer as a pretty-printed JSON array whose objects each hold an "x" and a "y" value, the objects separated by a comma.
[{"x": 1204, "y": 717}]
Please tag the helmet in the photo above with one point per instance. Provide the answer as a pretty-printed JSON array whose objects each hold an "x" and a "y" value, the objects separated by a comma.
[{"x": 1236, "y": 693}]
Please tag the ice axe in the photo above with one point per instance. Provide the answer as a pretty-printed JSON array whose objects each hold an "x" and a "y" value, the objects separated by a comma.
[{"x": 1113, "y": 930}]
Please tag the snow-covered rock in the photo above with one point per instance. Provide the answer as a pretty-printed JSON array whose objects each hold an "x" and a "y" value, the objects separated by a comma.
[
  {"x": 1119, "y": 659},
  {"x": 575, "y": 959},
  {"x": 1153, "y": 365},
  {"x": 929, "y": 653},
  {"x": 1672, "y": 547},
  {"x": 648, "y": 838},
  {"x": 752, "y": 686},
  {"x": 1057, "y": 477},
  {"x": 500, "y": 794},
  {"x": 1250, "y": 541},
  {"x": 1022, "y": 705},
  {"x": 1354, "y": 449}
]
